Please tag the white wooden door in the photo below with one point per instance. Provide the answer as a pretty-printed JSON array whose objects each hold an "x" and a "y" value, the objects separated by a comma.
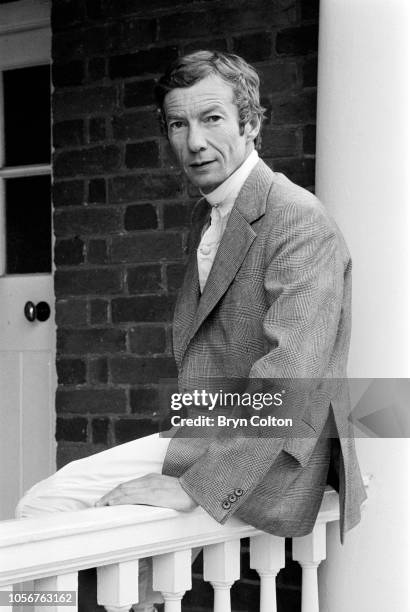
[{"x": 27, "y": 354}]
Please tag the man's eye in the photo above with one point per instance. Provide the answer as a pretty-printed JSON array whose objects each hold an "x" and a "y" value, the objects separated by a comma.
[
  {"x": 213, "y": 118},
  {"x": 176, "y": 125}
]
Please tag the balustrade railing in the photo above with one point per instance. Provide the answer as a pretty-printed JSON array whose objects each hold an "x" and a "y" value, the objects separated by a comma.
[{"x": 52, "y": 549}]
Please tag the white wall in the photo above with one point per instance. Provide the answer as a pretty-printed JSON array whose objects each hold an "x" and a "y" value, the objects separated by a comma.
[{"x": 363, "y": 176}]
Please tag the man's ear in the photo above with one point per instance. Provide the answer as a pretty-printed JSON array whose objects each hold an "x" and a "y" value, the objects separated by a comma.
[{"x": 252, "y": 128}]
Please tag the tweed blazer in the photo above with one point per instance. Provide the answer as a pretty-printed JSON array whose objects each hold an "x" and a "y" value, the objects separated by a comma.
[{"x": 276, "y": 305}]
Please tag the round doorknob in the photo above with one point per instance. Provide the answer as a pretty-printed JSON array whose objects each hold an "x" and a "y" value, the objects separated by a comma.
[{"x": 41, "y": 312}]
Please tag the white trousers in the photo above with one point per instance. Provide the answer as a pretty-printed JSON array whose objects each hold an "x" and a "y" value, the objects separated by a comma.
[{"x": 79, "y": 484}]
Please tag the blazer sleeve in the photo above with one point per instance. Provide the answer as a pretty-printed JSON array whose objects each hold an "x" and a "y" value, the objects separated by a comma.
[{"x": 304, "y": 281}]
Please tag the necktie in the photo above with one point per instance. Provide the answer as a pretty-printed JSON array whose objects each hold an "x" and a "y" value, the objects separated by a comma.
[{"x": 208, "y": 246}]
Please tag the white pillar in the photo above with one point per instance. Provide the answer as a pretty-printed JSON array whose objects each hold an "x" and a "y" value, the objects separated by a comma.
[
  {"x": 363, "y": 161},
  {"x": 117, "y": 585},
  {"x": 267, "y": 557}
]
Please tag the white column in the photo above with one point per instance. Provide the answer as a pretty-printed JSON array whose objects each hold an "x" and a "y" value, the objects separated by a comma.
[
  {"x": 267, "y": 557},
  {"x": 221, "y": 569},
  {"x": 309, "y": 551},
  {"x": 117, "y": 585},
  {"x": 64, "y": 582},
  {"x": 172, "y": 576},
  {"x": 363, "y": 161}
]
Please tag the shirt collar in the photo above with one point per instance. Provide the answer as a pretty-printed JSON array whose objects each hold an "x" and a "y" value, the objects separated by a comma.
[{"x": 225, "y": 194}]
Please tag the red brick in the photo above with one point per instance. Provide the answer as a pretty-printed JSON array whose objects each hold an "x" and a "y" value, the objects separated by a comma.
[
  {"x": 142, "y": 155},
  {"x": 143, "y": 124},
  {"x": 96, "y": 129},
  {"x": 277, "y": 77},
  {"x": 66, "y": 13},
  {"x": 175, "y": 275},
  {"x": 137, "y": 187},
  {"x": 245, "y": 15},
  {"x": 130, "y": 7},
  {"x": 70, "y": 312},
  {"x": 280, "y": 142},
  {"x": 95, "y": 160},
  {"x": 97, "y": 252},
  {"x": 68, "y": 193},
  {"x": 69, "y": 252},
  {"x": 299, "y": 108},
  {"x": 139, "y": 93},
  {"x": 68, "y": 133},
  {"x": 297, "y": 41},
  {"x": 96, "y": 341},
  {"x": 310, "y": 72},
  {"x": 93, "y": 401},
  {"x": 144, "y": 279},
  {"x": 71, "y": 371},
  {"x": 139, "y": 309},
  {"x": 176, "y": 215},
  {"x": 147, "y": 246},
  {"x": 98, "y": 281},
  {"x": 132, "y": 34},
  {"x": 97, "y": 192},
  {"x": 98, "y": 371},
  {"x": 139, "y": 217},
  {"x": 96, "y": 69},
  {"x": 99, "y": 429},
  {"x": 309, "y": 139},
  {"x": 84, "y": 101},
  {"x": 87, "y": 221},
  {"x": 68, "y": 75},
  {"x": 74, "y": 429},
  {"x": 144, "y": 401},
  {"x": 147, "y": 340},
  {"x": 300, "y": 171},
  {"x": 98, "y": 312},
  {"x": 140, "y": 370},
  {"x": 152, "y": 61},
  {"x": 131, "y": 429},
  {"x": 310, "y": 9},
  {"x": 254, "y": 47},
  {"x": 213, "y": 44}
]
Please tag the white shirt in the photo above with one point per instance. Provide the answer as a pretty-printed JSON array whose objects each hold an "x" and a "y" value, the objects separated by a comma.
[{"x": 222, "y": 200}]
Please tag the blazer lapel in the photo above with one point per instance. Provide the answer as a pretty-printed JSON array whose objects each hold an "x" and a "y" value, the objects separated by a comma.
[
  {"x": 188, "y": 298},
  {"x": 235, "y": 244}
]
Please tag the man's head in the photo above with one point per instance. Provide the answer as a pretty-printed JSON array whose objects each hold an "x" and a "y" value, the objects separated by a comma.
[{"x": 209, "y": 103}]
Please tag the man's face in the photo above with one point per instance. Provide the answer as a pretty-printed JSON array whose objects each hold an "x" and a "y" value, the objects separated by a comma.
[{"x": 203, "y": 130}]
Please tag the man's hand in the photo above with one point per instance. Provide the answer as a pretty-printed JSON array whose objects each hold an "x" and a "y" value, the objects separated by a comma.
[{"x": 150, "y": 490}]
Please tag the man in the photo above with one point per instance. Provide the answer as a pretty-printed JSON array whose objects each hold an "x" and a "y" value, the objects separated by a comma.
[{"x": 266, "y": 296}]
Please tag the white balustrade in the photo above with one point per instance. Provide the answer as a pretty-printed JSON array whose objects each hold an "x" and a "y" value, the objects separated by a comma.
[
  {"x": 309, "y": 551},
  {"x": 267, "y": 557},
  {"x": 172, "y": 576},
  {"x": 221, "y": 569},
  {"x": 117, "y": 586},
  {"x": 51, "y": 550}
]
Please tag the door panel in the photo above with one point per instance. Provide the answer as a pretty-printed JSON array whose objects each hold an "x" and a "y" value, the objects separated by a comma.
[
  {"x": 27, "y": 373},
  {"x": 27, "y": 349}
]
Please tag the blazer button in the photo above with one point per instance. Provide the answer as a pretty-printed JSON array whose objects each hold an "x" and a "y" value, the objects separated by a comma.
[
  {"x": 238, "y": 492},
  {"x": 226, "y": 505},
  {"x": 232, "y": 498}
]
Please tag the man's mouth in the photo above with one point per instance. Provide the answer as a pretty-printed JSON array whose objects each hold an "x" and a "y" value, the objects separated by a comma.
[{"x": 201, "y": 164}]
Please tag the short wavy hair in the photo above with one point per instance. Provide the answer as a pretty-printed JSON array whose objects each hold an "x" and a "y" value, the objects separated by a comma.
[{"x": 243, "y": 78}]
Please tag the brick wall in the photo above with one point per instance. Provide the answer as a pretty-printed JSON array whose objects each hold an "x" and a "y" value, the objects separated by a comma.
[{"x": 120, "y": 204}]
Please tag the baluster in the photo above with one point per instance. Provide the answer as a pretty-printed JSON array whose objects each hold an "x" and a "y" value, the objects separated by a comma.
[
  {"x": 117, "y": 585},
  {"x": 64, "y": 582},
  {"x": 267, "y": 557},
  {"x": 6, "y": 589},
  {"x": 172, "y": 576},
  {"x": 309, "y": 551},
  {"x": 221, "y": 568}
]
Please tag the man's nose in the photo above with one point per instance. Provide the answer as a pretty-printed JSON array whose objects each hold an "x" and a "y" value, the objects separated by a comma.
[{"x": 196, "y": 139}]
